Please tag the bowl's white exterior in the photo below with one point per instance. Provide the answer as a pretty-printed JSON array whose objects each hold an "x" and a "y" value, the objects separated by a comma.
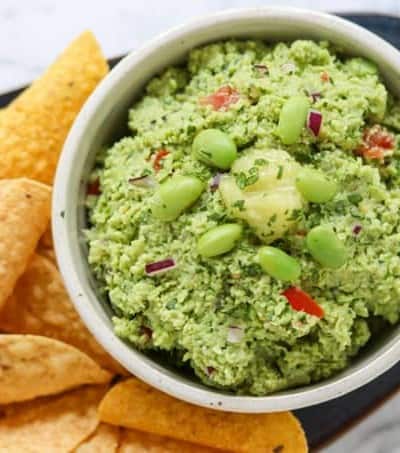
[{"x": 108, "y": 106}]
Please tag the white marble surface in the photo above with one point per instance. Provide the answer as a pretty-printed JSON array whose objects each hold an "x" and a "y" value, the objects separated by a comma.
[{"x": 32, "y": 32}]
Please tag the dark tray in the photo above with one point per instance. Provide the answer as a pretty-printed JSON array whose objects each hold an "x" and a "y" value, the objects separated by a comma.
[{"x": 325, "y": 422}]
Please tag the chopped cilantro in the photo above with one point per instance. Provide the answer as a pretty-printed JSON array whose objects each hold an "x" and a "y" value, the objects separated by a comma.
[
  {"x": 272, "y": 220},
  {"x": 243, "y": 180},
  {"x": 354, "y": 197},
  {"x": 295, "y": 214},
  {"x": 260, "y": 162},
  {"x": 239, "y": 204}
]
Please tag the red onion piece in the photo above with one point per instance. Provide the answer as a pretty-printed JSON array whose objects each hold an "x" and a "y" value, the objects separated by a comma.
[
  {"x": 288, "y": 68},
  {"x": 146, "y": 331},
  {"x": 160, "y": 266},
  {"x": 145, "y": 181},
  {"x": 357, "y": 229},
  {"x": 210, "y": 370},
  {"x": 314, "y": 122},
  {"x": 261, "y": 68},
  {"x": 93, "y": 188},
  {"x": 314, "y": 95},
  {"x": 235, "y": 334},
  {"x": 215, "y": 182}
]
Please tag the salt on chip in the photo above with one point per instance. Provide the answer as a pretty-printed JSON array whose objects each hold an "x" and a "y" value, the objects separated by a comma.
[
  {"x": 133, "y": 404},
  {"x": 40, "y": 306},
  {"x": 24, "y": 216},
  {"x": 133, "y": 441},
  {"x": 104, "y": 440},
  {"x": 32, "y": 366},
  {"x": 52, "y": 424},
  {"x": 34, "y": 127}
]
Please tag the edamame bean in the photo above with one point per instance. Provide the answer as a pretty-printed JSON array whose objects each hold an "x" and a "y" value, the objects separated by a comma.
[
  {"x": 219, "y": 240},
  {"x": 315, "y": 186},
  {"x": 215, "y": 148},
  {"x": 175, "y": 195},
  {"x": 326, "y": 247},
  {"x": 278, "y": 264},
  {"x": 293, "y": 118}
]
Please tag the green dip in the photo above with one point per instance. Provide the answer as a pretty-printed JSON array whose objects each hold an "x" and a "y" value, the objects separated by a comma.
[{"x": 225, "y": 316}]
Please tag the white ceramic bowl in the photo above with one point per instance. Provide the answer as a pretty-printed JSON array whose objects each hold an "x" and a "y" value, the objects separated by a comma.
[{"x": 103, "y": 114}]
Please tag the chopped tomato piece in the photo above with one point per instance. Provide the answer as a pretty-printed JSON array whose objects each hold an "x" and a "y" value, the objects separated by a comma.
[
  {"x": 301, "y": 301},
  {"x": 325, "y": 76},
  {"x": 161, "y": 154},
  {"x": 377, "y": 143},
  {"x": 222, "y": 98},
  {"x": 93, "y": 188}
]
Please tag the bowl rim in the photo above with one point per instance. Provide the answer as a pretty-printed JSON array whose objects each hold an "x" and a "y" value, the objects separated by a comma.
[{"x": 127, "y": 356}]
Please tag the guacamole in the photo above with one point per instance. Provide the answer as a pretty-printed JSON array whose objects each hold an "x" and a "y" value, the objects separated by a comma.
[{"x": 277, "y": 233}]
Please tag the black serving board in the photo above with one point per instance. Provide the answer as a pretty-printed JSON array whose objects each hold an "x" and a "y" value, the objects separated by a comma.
[{"x": 325, "y": 422}]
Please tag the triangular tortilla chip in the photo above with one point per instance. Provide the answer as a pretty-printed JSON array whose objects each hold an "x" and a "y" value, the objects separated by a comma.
[
  {"x": 24, "y": 216},
  {"x": 133, "y": 404},
  {"x": 133, "y": 441},
  {"x": 55, "y": 424},
  {"x": 104, "y": 440},
  {"x": 32, "y": 366},
  {"x": 34, "y": 127},
  {"x": 40, "y": 306}
]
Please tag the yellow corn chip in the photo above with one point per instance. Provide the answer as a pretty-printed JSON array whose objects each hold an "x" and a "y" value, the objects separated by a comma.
[
  {"x": 34, "y": 127},
  {"x": 47, "y": 253},
  {"x": 40, "y": 306},
  {"x": 24, "y": 215},
  {"x": 133, "y": 404},
  {"x": 46, "y": 241},
  {"x": 32, "y": 366},
  {"x": 55, "y": 424},
  {"x": 104, "y": 440},
  {"x": 133, "y": 441}
]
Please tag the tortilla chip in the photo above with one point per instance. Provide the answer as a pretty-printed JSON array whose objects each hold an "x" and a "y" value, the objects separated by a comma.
[
  {"x": 24, "y": 215},
  {"x": 40, "y": 306},
  {"x": 47, "y": 253},
  {"x": 32, "y": 366},
  {"x": 34, "y": 126},
  {"x": 133, "y": 441},
  {"x": 50, "y": 424},
  {"x": 133, "y": 404},
  {"x": 104, "y": 440},
  {"x": 46, "y": 241}
]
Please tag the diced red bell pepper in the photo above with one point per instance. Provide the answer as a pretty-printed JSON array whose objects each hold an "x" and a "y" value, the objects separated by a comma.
[
  {"x": 222, "y": 98},
  {"x": 301, "y": 301},
  {"x": 377, "y": 143},
  {"x": 161, "y": 154}
]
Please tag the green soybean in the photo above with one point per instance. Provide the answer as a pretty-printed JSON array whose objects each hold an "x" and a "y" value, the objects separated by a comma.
[
  {"x": 326, "y": 247},
  {"x": 175, "y": 195},
  {"x": 293, "y": 118},
  {"x": 315, "y": 186},
  {"x": 279, "y": 264},
  {"x": 219, "y": 240},
  {"x": 215, "y": 148}
]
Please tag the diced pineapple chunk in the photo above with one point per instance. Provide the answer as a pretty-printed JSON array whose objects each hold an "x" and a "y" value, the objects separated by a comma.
[{"x": 261, "y": 189}]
